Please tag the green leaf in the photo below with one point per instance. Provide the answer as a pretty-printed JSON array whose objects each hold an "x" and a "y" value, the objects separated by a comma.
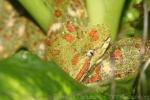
[
  {"x": 26, "y": 76},
  {"x": 40, "y": 10}
]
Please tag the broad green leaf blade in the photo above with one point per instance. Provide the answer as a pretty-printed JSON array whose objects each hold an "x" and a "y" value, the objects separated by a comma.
[{"x": 26, "y": 76}]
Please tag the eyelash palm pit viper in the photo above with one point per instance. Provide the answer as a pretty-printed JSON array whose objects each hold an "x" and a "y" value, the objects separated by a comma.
[{"x": 85, "y": 52}]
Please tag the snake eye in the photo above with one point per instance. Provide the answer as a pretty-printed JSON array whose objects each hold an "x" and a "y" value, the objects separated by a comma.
[{"x": 90, "y": 53}]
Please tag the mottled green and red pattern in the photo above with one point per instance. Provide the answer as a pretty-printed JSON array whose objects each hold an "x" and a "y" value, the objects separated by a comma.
[
  {"x": 66, "y": 11},
  {"x": 69, "y": 41},
  {"x": 122, "y": 59},
  {"x": 17, "y": 31},
  {"x": 71, "y": 47}
]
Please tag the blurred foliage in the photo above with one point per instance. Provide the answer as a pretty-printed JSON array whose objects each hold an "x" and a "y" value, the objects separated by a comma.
[
  {"x": 141, "y": 87},
  {"x": 28, "y": 77},
  {"x": 132, "y": 18},
  {"x": 41, "y": 12},
  {"x": 148, "y": 4},
  {"x": 148, "y": 79}
]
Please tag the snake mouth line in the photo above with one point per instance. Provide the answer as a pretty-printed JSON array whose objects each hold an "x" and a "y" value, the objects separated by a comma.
[
  {"x": 86, "y": 69},
  {"x": 83, "y": 70},
  {"x": 92, "y": 67},
  {"x": 89, "y": 65}
]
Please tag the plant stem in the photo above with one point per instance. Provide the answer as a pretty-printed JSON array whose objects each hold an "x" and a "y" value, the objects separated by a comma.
[
  {"x": 145, "y": 22},
  {"x": 107, "y": 12},
  {"x": 39, "y": 11}
]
